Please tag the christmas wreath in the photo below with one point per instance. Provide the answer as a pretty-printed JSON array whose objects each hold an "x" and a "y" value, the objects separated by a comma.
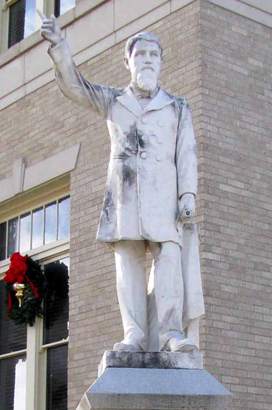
[
  {"x": 25, "y": 285},
  {"x": 30, "y": 291}
]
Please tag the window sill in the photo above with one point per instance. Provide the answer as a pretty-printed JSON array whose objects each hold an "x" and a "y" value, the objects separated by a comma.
[
  {"x": 51, "y": 249},
  {"x": 54, "y": 344},
  {"x": 35, "y": 38}
]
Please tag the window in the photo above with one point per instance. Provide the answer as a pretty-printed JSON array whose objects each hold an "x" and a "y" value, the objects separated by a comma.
[
  {"x": 61, "y": 6},
  {"x": 33, "y": 229},
  {"x": 23, "y": 19},
  {"x": 55, "y": 334},
  {"x": 46, "y": 344},
  {"x": 33, "y": 360}
]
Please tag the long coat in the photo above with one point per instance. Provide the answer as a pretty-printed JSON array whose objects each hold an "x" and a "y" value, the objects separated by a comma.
[
  {"x": 152, "y": 164},
  {"x": 152, "y": 161}
]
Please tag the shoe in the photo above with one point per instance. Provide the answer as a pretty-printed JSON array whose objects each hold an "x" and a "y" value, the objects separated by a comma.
[
  {"x": 123, "y": 347},
  {"x": 180, "y": 345}
]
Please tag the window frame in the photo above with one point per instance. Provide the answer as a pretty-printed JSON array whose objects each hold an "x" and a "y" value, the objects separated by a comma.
[
  {"x": 36, "y": 356},
  {"x": 29, "y": 203},
  {"x": 36, "y": 350},
  {"x": 4, "y": 26},
  {"x": 30, "y": 212},
  {"x": 46, "y": 6}
]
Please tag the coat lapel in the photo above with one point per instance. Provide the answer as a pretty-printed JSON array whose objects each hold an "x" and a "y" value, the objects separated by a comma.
[
  {"x": 129, "y": 101},
  {"x": 159, "y": 101}
]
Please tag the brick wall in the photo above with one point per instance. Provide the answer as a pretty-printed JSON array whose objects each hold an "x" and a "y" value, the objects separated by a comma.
[
  {"x": 222, "y": 63},
  {"x": 237, "y": 202}
]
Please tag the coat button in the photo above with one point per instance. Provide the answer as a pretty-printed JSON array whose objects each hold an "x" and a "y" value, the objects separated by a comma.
[
  {"x": 158, "y": 157},
  {"x": 144, "y": 120},
  {"x": 143, "y": 155}
]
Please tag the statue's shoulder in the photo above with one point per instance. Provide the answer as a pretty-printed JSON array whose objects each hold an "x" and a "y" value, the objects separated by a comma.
[
  {"x": 180, "y": 101},
  {"x": 181, "y": 106},
  {"x": 113, "y": 94}
]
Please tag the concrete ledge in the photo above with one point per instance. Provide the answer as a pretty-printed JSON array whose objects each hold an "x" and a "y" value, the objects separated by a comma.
[
  {"x": 151, "y": 389},
  {"x": 52, "y": 167},
  {"x": 250, "y": 11},
  {"x": 25, "y": 178}
]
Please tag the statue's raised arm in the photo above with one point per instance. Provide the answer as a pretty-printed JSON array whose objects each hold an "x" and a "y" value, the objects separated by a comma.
[{"x": 69, "y": 79}]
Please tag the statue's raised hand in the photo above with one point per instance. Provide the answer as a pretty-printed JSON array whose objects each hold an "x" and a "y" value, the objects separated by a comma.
[{"x": 50, "y": 29}]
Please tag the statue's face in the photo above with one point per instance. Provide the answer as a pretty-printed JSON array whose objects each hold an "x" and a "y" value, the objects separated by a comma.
[{"x": 144, "y": 64}]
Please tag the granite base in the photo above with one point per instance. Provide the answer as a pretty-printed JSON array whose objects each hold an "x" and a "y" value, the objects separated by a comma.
[{"x": 150, "y": 383}]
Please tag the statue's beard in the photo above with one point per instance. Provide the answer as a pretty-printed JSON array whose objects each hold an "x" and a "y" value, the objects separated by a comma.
[{"x": 147, "y": 81}]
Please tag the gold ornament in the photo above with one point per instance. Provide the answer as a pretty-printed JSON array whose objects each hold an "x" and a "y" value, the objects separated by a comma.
[{"x": 20, "y": 290}]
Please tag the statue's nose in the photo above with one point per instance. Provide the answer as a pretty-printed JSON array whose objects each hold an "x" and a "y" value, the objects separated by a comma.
[{"x": 148, "y": 58}]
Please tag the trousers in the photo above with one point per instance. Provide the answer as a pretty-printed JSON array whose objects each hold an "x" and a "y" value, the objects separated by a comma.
[{"x": 142, "y": 312}]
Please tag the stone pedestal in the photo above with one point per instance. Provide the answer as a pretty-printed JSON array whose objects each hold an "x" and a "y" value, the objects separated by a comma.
[{"x": 154, "y": 381}]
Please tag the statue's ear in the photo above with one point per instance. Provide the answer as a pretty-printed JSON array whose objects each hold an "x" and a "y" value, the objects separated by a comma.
[{"x": 126, "y": 63}]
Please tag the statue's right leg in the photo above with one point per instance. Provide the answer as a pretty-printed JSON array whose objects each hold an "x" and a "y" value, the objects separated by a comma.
[{"x": 131, "y": 291}]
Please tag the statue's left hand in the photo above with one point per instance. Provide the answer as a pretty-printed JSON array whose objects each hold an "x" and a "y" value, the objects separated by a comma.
[{"x": 186, "y": 207}]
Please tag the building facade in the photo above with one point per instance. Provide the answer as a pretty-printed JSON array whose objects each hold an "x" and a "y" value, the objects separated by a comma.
[{"x": 53, "y": 165}]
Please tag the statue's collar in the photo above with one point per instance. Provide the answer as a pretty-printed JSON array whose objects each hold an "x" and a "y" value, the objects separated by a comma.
[{"x": 128, "y": 100}]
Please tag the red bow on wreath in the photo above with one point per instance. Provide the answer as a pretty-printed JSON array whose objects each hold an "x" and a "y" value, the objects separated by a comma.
[
  {"x": 16, "y": 273},
  {"x": 17, "y": 269}
]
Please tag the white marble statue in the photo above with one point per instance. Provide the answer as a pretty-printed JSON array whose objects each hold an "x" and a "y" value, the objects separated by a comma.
[{"x": 150, "y": 192}]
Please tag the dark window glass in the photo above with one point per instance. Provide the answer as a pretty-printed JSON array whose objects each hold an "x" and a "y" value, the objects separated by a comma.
[
  {"x": 51, "y": 222},
  {"x": 16, "y": 22},
  {"x": 56, "y": 307},
  {"x": 37, "y": 227},
  {"x": 56, "y": 395},
  {"x": 61, "y": 6},
  {"x": 57, "y": 8},
  {"x": 12, "y": 336},
  {"x": 3, "y": 237},
  {"x": 12, "y": 235},
  {"x": 22, "y": 20},
  {"x": 25, "y": 232},
  {"x": 64, "y": 219},
  {"x": 13, "y": 383}
]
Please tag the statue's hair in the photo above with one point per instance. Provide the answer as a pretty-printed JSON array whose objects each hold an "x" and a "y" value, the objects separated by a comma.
[{"x": 144, "y": 35}]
